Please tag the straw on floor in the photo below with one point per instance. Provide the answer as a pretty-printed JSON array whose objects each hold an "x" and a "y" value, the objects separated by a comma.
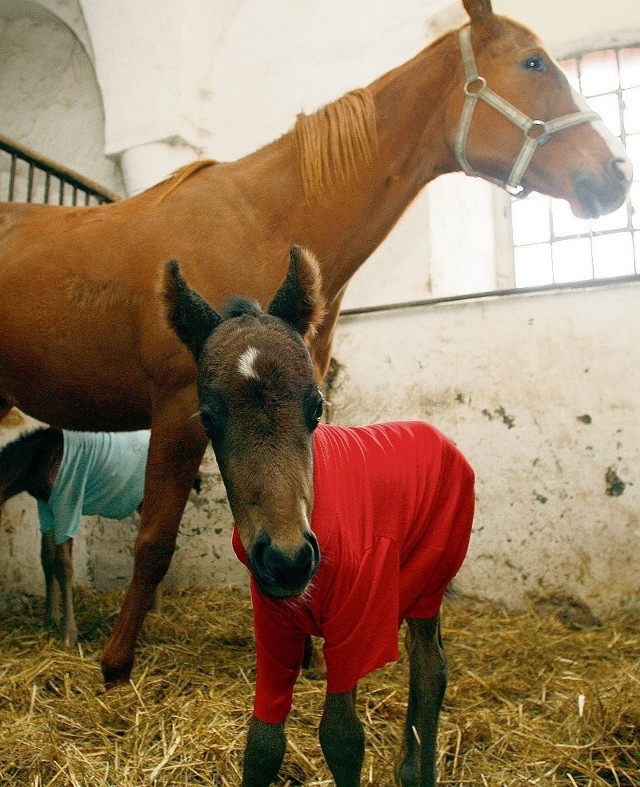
[{"x": 532, "y": 700}]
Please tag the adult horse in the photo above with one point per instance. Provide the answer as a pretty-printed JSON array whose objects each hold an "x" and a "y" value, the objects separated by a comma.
[{"x": 83, "y": 340}]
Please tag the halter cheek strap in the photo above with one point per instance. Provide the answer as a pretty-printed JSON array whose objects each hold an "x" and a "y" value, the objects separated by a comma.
[{"x": 536, "y": 132}]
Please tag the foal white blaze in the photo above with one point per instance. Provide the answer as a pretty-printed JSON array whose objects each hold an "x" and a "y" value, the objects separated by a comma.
[{"x": 247, "y": 363}]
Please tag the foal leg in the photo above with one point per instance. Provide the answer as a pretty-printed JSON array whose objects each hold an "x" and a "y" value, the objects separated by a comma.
[
  {"x": 176, "y": 449},
  {"x": 52, "y": 589},
  {"x": 342, "y": 738},
  {"x": 63, "y": 566},
  {"x": 427, "y": 683},
  {"x": 263, "y": 754}
]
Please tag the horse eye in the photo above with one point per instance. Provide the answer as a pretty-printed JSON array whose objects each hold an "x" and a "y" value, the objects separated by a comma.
[{"x": 536, "y": 63}]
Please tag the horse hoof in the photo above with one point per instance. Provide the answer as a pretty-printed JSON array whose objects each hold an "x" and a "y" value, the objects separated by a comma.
[{"x": 115, "y": 675}]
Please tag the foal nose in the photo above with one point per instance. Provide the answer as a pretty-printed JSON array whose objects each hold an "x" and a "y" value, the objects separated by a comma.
[{"x": 280, "y": 575}]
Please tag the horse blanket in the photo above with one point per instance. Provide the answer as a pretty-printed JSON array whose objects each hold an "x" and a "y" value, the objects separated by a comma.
[
  {"x": 393, "y": 510},
  {"x": 101, "y": 473}
]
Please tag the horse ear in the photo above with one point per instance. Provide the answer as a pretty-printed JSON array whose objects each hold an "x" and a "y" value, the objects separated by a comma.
[
  {"x": 477, "y": 9},
  {"x": 299, "y": 301},
  {"x": 190, "y": 316}
]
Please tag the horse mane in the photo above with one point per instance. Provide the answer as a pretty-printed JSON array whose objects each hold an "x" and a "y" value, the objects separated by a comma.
[
  {"x": 173, "y": 180},
  {"x": 336, "y": 142}
]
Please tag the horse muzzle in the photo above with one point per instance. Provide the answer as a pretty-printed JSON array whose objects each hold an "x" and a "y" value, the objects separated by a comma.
[{"x": 282, "y": 575}]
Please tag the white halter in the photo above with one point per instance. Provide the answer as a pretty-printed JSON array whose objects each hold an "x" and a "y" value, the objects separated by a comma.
[{"x": 536, "y": 132}]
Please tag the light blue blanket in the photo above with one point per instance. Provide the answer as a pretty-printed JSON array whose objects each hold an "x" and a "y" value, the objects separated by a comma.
[{"x": 101, "y": 473}]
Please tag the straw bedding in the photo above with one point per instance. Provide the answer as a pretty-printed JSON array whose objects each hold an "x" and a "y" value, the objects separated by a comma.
[{"x": 532, "y": 700}]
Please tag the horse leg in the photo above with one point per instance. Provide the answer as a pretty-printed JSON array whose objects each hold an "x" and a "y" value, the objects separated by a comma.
[
  {"x": 427, "y": 683},
  {"x": 342, "y": 738},
  {"x": 52, "y": 589},
  {"x": 63, "y": 565},
  {"x": 176, "y": 449},
  {"x": 263, "y": 754},
  {"x": 156, "y": 602}
]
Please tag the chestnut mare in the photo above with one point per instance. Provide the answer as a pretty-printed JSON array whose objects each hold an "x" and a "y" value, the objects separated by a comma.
[
  {"x": 259, "y": 405},
  {"x": 84, "y": 343}
]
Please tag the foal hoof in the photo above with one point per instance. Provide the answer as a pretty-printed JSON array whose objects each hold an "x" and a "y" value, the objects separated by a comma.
[{"x": 407, "y": 774}]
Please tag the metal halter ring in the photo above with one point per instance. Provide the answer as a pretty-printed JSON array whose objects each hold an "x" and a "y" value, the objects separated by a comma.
[
  {"x": 539, "y": 128},
  {"x": 483, "y": 84}
]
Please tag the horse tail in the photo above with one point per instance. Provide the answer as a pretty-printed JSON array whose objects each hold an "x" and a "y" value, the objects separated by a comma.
[{"x": 27, "y": 463}]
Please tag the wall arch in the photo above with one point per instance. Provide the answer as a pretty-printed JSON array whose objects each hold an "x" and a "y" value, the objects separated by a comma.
[{"x": 49, "y": 97}]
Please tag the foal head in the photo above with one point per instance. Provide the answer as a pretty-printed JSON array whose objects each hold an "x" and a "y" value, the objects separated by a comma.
[{"x": 259, "y": 404}]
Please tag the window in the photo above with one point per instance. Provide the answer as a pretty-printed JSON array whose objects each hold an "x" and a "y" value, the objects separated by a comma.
[{"x": 550, "y": 244}]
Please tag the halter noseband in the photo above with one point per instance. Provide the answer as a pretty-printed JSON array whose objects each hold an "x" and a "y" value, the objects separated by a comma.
[{"x": 536, "y": 132}]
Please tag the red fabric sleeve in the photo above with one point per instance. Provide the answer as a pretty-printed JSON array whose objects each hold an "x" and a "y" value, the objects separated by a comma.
[
  {"x": 279, "y": 651},
  {"x": 279, "y": 654}
]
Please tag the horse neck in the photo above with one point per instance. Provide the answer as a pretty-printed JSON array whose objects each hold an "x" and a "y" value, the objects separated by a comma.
[{"x": 344, "y": 223}]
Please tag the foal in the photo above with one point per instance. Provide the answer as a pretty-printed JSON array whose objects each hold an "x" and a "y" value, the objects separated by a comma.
[
  {"x": 386, "y": 511},
  {"x": 71, "y": 474}
]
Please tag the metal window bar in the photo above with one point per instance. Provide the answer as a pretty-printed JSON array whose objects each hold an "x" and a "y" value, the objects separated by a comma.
[{"x": 26, "y": 176}]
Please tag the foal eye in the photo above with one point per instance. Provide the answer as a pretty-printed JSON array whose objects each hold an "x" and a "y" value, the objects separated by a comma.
[
  {"x": 536, "y": 63},
  {"x": 315, "y": 409},
  {"x": 209, "y": 423}
]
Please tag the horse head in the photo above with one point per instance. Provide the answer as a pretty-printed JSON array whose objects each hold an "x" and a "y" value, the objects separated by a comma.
[
  {"x": 259, "y": 404},
  {"x": 550, "y": 141}
]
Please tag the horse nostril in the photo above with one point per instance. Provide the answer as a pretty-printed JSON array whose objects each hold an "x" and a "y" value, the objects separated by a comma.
[{"x": 622, "y": 169}]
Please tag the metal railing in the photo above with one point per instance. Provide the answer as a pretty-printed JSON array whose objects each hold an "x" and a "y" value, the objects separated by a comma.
[{"x": 26, "y": 176}]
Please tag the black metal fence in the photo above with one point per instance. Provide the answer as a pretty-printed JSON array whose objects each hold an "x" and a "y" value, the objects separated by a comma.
[{"x": 26, "y": 176}]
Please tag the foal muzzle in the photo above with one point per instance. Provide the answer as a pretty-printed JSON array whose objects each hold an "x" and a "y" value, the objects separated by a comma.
[{"x": 281, "y": 575}]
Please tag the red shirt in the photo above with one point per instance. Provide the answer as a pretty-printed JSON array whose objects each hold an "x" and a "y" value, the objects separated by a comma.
[{"x": 392, "y": 513}]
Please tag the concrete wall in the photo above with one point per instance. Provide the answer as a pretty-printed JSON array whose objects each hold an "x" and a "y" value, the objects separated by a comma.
[{"x": 511, "y": 379}]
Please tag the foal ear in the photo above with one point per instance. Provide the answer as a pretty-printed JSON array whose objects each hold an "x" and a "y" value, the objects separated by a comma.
[
  {"x": 190, "y": 316},
  {"x": 477, "y": 9},
  {"x": 299, "y": 301}
]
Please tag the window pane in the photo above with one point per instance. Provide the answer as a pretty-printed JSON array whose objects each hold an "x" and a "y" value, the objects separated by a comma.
[
  {"x": 533, "y": 265},
  {"x": 618, "y": 220},
  {"x": 598, "y": 72},
  {"x": 629, "y": 67},
  {"x": 572, "y": 260},
  {"x": 632, "y": 145},
  {"x": 550, "y": 243},
  {"x": 613, "y": 255},
  {"x": 564, "y": 222},
  {"x": 631, "y": 104},
  {"x": 608, "y": 107},
  {"x": 635, "y": 205},
  {"x": 530, "y": 220}
]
